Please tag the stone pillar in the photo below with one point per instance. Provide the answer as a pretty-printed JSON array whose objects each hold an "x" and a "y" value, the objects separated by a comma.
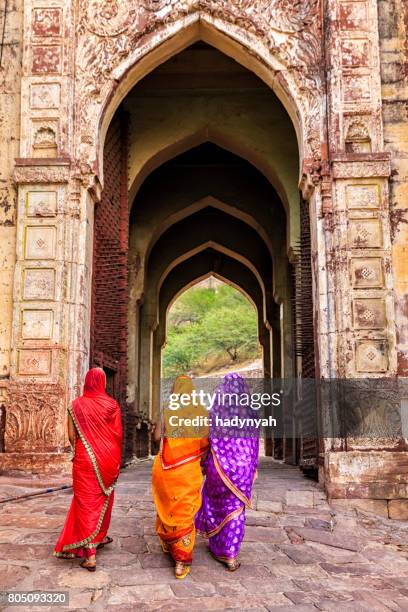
[
  {"x": 356, "y": 227},
  {"x": 51, "y": 315},
  {"x": 54, "y": 243}
]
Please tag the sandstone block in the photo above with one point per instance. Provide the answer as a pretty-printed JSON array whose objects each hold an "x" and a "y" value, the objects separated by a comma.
[
  {"x": 269, "y": 506},
  {"x": 300, "y": 498},
  {"x": 398, "y": 509}
]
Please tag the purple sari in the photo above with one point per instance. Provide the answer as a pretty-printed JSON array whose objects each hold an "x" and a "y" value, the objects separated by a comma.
[{"x": 230, "y": 469}]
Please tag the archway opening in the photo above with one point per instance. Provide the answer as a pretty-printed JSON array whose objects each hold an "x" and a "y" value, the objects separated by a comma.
[
  {"x": 201, "y": 173},
  {"x": 212, "y": 330}
]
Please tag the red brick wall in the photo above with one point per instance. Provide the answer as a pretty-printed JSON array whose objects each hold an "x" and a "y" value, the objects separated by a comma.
[{"x": 110, "y": 290}]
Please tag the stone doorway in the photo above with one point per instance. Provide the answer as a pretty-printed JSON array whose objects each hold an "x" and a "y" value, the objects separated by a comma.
[
  {"x": 201, "y": 170},
  {"x": 322, "y": 62}
]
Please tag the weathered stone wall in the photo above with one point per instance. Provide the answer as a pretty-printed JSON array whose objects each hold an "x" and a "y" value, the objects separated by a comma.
[
  {"x": 10, "y": 92},
  {"x": 339, "y": 69},
  {"x": 393, "y": 24}
]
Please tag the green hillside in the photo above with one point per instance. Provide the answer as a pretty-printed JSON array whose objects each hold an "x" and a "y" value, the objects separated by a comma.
[{"x": 207, "y": 328}]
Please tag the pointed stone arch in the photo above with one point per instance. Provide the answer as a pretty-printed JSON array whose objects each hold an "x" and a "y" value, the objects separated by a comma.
[{"x": 276, "y": 41}]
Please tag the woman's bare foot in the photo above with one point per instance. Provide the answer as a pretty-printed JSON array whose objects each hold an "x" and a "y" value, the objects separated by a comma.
[
  {"x": 181, "y": 570},
  {"x": 89, "y": 563}
]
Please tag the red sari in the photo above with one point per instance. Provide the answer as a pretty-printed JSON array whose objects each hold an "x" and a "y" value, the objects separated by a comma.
[{"x": 96, "y": 465}]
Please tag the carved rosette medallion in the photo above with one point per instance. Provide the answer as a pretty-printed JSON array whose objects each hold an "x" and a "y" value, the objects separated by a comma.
[{"x": 109, "y": 17}]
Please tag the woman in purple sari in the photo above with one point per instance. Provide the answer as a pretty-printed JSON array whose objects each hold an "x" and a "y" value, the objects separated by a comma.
[{"x": 230, "y": 470}]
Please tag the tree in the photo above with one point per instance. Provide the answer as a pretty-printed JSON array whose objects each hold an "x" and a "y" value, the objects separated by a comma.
[{"x": 209, "y": 325}]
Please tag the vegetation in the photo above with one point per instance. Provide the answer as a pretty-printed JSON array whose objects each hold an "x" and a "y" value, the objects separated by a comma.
[{"x": 209, "y": 328}]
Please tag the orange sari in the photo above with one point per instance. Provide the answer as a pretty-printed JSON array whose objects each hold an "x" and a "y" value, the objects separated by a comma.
[{"x": 177, "y": 479}]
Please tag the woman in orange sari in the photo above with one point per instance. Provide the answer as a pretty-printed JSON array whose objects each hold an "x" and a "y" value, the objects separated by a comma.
[
  {"x": 177, "y": 477},
  {"x": 95, "y": 431}
]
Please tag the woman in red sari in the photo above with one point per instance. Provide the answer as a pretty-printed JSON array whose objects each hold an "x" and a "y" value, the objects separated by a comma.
[{"x": 95, "y": 429}]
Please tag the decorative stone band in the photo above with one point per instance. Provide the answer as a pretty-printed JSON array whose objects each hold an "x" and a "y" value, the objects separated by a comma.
[
  {"x": 362, "y": 166},
  {"x": 33, "y": 171},
  {"x": 106, "y": 491}
]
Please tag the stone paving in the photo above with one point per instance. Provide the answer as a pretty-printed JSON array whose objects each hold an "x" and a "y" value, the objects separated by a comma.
[{"x": 299, "y": 553}]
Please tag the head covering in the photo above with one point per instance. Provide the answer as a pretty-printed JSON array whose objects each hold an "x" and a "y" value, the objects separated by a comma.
[
  {"x": 182, "y": 443},
  {"x": 95, "y": 383},
  {"x": 235, "y": 452}
]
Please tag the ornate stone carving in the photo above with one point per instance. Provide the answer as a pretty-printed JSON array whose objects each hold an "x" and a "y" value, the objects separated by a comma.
[
  {"x": 371, "y": 356},
  {"x": 356, "y": 89},
  {"x": 109, "y": 17},
  {"x": 369, "y": 313},
  {"x": 367, "y": 272},
  {"x": 363, "y": 196},
  {"x": 158, "y": 5},
  {"x": 110, "y": 31},
  {"x": 45, "y": 141},
  {"x": 353, "y": 15},
  {"x": 41, "y": 203},
  {"x": 36, "y": 362},
  {"x": 46, "y": 59},
  {"x": 34, "y": 419},
  {"x": 45, "y": 95},
  {"x": 47, "y": 22},
  {"x": 37, "y": 174},
  {"x": 39, "y": 284},
  {"x": 296, "y": 24},
  {"x": 344, "y": 168},
  {"x": 355, "y": 52},
  {"x": 358, "y": 138},
  {"x": 365, "y": 234},
  {"x": 36, "y": 324},
  {"x": 40, "y": 242}
]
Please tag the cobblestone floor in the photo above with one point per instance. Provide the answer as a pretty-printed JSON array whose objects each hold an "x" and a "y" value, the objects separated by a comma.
[{"x": 299, "y": 554}]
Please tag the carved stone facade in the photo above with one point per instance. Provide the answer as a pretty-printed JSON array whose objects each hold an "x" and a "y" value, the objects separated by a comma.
[{"x": 79, "y": 61}]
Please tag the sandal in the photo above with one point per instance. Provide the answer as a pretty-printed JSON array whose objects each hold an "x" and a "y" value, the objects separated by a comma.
[
  {"x": 233, "y": 565},
  {"x": 88, "y": 565},
  {"x": 181, "y": 570},
  {"x": 105, "y": 542}
]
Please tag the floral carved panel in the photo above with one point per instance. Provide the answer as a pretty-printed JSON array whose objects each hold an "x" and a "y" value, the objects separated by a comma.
[{"x": 34, "y": 419}]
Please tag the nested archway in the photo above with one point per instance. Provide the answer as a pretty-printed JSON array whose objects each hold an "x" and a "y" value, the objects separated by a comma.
[
  {"x": 280, "y": 44},
  {"x": 197, "y": 267},
  {"x": 191, "y": 203}
]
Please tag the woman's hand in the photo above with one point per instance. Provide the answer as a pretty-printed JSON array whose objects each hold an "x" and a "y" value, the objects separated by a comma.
[{"x": 71, "y": 432}]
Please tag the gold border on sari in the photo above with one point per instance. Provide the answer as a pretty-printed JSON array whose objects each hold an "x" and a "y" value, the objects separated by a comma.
[
  {"x": 189, "y": 459},
  {"x": 228, "y": 482},
  {"x": 106, "y": 491},
  {"x": 83, "y": 543},
  {"x": 227, "y": 519}
]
